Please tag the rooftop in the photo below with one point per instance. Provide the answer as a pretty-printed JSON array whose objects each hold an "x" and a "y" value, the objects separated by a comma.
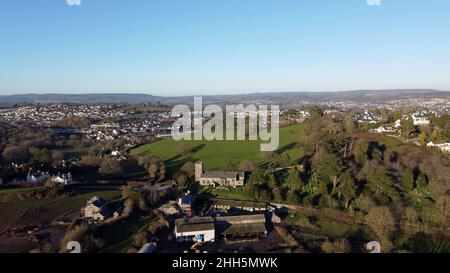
[
  {"x": 242, "y": 229},
  {"x": 194, "y": 224},
  {"x": 222, "y": 175},
  {"x": 242, "y": 219},
  {"x": 238, "y": 203}
]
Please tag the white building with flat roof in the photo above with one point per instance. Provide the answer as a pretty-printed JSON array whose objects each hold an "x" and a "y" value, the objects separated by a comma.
[{"x": 195, "y": 229}]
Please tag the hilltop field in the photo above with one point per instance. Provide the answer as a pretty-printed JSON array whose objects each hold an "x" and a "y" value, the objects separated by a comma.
[{"x": 217, "y": 155}]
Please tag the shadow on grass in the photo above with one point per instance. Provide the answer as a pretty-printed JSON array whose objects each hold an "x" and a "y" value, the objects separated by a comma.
[
  {"x": 175, "y": 163},
  {"x": 287, "y": 147}
]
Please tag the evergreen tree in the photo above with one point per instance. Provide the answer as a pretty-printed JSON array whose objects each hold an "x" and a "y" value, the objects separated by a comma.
[
  {"x": 293, "y": 181},
  {"x": 407, "y": 127},
  {"x": 408, "y": 180},
  {"x": 360, "y": 151},
  {"x": 347, "y": 188},
  {"x": 327, "y": 168},
  {"x": 421, "y": 181}
]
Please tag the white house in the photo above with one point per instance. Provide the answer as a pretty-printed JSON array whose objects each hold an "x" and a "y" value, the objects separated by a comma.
[
  {"x": 444, "y": 147},
  {"x": 420, "y": 120},
  {"x": 122, "y": 158},
  {"x": 64, "y": 179},
  {"x": 384, "y": 129},
  {"x": 37, "y": 177},
  {"x": 398, "y": 124},
  {"x": 195, "y": 229}
]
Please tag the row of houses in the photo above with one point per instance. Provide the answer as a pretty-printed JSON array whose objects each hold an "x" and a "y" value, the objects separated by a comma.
[
  {"x": 444, "y": 147},
  {"x": 420, "y": 119},
  {"x": 417, "y": 118},
  {"x": 38, "y": 177}
]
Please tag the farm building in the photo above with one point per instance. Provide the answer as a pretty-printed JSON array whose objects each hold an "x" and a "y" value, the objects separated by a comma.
[
  {"x": 230, "y": 228},
  {"x": 226, "y": 204},
  {"x": 198, "y": 229},
  {"x": 243, "y": 227},
  {"x": 218, "y": 178}
]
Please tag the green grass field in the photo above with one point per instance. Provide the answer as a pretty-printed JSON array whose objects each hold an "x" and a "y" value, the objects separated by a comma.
[
  {"x": 407, "y": 150},
  {"x": 217, "y": 155}
]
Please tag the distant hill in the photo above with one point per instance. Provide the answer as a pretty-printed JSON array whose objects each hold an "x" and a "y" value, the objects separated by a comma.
[
  {"x": 357, "y": 96},
  {"x": 77, "y": 98},
  {"x": 368, "y": 96}
]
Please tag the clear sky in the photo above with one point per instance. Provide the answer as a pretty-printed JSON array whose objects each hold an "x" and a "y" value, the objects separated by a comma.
[{"x": 185, "y": 47}]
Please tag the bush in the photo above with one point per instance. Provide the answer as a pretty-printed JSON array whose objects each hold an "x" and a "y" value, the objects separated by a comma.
[
  {"x": 141, "y": 238},
  {"x": 336, "y": 246},
  {"x": 110, "y": 166},
  {"x": 82, "y": 234}
]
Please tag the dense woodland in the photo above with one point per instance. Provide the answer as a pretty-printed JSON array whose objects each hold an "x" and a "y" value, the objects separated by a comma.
[{"x": 344, "y": 169}]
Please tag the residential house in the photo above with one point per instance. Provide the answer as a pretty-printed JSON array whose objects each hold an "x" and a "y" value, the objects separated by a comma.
[
  {"x": 419, "y": 120},
  {"x": 37, "y": 177},
  {"x": 384, "y": 129},
  {"x": 96, "y": 209},
  {"x": 64, "y": 179},
  {"x": 444, "y": 147},
  {"x": 115, "y": 153}
]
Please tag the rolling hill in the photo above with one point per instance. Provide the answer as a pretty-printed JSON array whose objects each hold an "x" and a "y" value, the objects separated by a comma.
[{"x": 217, "y": 155}]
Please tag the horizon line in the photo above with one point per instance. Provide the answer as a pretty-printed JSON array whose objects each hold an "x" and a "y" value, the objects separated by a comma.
[{"x": 218, "y": 94}]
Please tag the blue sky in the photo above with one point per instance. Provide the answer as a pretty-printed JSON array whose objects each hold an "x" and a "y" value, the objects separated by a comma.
[{"x": 184, "y": 47}]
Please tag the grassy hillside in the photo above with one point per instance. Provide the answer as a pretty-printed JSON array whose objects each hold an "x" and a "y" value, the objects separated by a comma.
[
  {"x": 40, "y": 211},
  {"x": 216, "y": 155}
]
